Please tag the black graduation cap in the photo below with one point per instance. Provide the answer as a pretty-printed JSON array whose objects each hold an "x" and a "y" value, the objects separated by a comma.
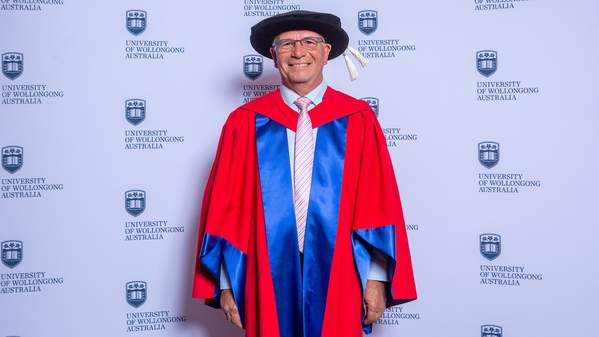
[{"x": 327, "y": 25}]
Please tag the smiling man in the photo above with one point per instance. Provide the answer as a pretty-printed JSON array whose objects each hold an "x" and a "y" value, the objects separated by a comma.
[
  {"x": 301, "y": 67},
  {"x": 302, "y": 232}
]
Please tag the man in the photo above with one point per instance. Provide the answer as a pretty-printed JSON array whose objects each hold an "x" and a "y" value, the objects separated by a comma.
[{"x": 302, "y": 205}]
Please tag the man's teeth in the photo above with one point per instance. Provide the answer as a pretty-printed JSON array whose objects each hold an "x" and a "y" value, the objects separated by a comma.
[{"x": 299, "y": 65}]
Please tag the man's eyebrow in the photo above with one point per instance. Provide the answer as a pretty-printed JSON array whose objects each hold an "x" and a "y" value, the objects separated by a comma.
[{"x": 305, "y": 37}]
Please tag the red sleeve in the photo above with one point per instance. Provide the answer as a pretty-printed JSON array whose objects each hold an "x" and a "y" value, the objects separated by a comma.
[
  {"x": 228, "y": 205},
  {"x": 378, "y": 204}
]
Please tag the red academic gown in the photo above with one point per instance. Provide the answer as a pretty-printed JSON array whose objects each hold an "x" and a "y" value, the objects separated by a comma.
[{"x": 248, "y": 220}]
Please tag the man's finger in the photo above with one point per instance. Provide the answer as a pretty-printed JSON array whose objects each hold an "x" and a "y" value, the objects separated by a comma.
[
  {"x": 230, "y": 308},
  {"x": 372, "y": 316},
  {"x": 230, "y": 311},
  {"x": 232, "y": 315},
  {"x": 236, "y": 320}
]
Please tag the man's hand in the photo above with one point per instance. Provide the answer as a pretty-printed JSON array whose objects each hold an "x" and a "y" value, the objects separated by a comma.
[
  {"x": 374, "y": 301},
  {"x": 227, "y": 302}
]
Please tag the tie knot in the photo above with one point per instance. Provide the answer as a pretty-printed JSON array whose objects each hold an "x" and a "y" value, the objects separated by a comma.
[{"x": 303, "y": 103}]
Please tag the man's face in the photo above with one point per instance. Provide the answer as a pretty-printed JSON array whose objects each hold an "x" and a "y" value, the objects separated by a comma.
[{"x": 300, "y": 67}]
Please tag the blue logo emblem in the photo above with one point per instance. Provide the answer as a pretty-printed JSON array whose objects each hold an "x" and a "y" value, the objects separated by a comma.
[
  {"x": 136, "y": 21},
  {"x": 12, "y": 158},
  {"x": 488, "y": 153},
  {"x": 486, "y": 62},
  {"x": 135, "y": 202},
  {"x": 367, "y": 21},
  {"x": 137, "y": 292},
  {"x": 491, "y": 331},
  {"x": 135, "y": 110},
  {"x": 12, "y": 253},
  {"x": 374, "y": 104},
  {"x": 252, "y": 66},
  {"x": 12, "y": 65},
  {"x": 490, "y": 245}
]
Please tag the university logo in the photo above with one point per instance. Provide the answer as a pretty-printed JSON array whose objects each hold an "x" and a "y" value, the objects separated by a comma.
[
  {"x": 367, "y": 21},
  {"x": 491, "y": 331},
  {"x": 252, "y": 66},
  {"x": 12, "y": 65},
  {"x": 12, "y": 158},
  {"x": 490, "y": 245},
  {"x": 12, "y": 253},
  {"x": 488, "y": 153},
  {"x": 374, "y": 104},
  {"x": 136, "y": 21},
  {"x": 135, "y": 110},
  {"x": 135, "y": 202},
  {"x": 137, "y": 292},
  {"x": 486, "y": 62}
]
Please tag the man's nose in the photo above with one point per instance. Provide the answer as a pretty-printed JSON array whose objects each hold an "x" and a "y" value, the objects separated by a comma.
[{"x": 298, "y": 49}]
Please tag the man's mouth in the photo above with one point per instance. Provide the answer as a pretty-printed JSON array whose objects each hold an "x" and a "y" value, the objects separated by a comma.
[{"x": 299, "y": 65}]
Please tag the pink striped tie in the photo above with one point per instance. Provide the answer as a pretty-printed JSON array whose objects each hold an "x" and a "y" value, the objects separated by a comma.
[{"x": 304, "y": 156}]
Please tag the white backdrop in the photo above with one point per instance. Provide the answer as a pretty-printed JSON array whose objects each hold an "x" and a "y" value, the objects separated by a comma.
[{"x": 70, "y": 247}]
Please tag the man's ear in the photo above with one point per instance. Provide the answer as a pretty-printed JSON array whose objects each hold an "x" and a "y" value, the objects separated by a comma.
[
  {"x": 327, "y": 51},
  {"x": 273, "y": 53}
]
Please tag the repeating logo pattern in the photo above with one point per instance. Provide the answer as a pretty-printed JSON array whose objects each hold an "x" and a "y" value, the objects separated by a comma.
[
  {"x": 137, "y": 293},
  {"x": 136, "y": 21},
  {"x": 373, "y": 102},
  {"x": 490, "y": 245},
  {"x": 135, "y": 202},
  {"x": 488, "y": 153},
  {"x": 135, "y": 110},
  {"x": 12, "y": 253},
  {"x": 486, "y": 62},
  {"x": 12, "y": 65},
  {"x": 491, "y": 331},
  {"x": 12, "y": 158},
  {"x": 253, "y": 66},
  {"x": 367, "y": 21}
]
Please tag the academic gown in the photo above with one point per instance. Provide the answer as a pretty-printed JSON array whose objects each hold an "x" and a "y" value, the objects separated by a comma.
[{"x": 248, "y": 220}]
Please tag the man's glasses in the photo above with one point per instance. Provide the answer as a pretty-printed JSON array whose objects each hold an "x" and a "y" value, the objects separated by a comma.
[{"x": 286, "y": 45}]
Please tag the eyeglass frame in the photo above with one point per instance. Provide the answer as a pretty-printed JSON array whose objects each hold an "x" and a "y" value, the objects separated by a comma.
[{"x": 292, "y": 42}]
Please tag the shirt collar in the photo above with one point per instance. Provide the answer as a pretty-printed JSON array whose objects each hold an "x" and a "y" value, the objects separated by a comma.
[{"x": 290, "y": 96}]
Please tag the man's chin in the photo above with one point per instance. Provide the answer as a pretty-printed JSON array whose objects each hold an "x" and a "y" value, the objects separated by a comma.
[{"x": 299, "y": 79}]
